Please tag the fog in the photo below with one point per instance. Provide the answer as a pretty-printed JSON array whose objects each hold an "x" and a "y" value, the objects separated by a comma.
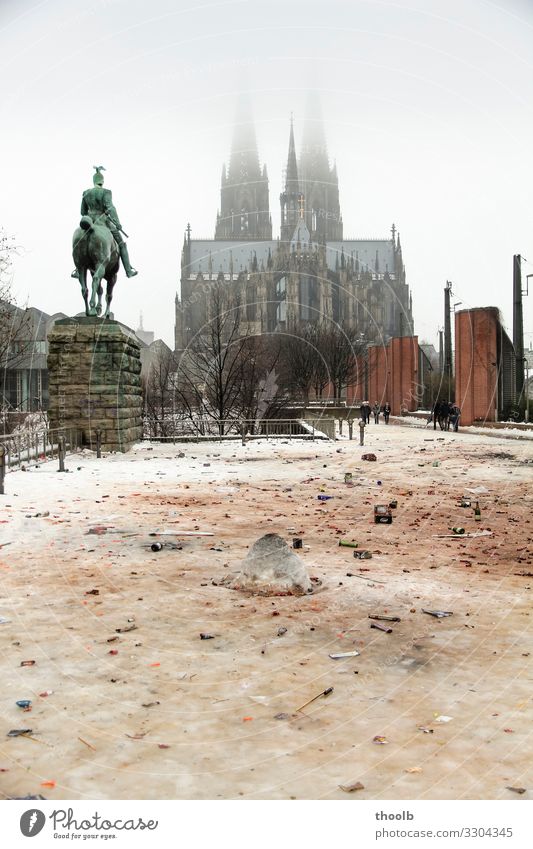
[{"x": 427, "y": 106}]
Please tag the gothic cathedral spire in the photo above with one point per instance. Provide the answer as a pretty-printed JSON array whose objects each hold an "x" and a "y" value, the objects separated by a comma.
[
  {"x": 290, "y": 198},
  {"x": 318, "y": 182},
  {"x": 244, "y": 210}
]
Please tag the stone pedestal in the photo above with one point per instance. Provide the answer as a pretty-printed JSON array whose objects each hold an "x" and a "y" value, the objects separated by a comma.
[{"x": 94, "y": 370}]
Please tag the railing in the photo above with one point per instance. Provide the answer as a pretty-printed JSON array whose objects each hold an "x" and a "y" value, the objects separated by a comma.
[
  {"x": 27, "y": 448},
  {"x": 197, "y": 430}
]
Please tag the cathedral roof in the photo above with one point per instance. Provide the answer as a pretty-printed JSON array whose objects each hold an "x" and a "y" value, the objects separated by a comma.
[
  {"x": 223, "y": 253},
  {"x": 365, "y": 251},
  {"x": 218, "y": 255}
]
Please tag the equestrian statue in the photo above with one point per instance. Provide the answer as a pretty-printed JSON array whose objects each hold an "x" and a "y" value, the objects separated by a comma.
[{"x": 98, "y": 246}]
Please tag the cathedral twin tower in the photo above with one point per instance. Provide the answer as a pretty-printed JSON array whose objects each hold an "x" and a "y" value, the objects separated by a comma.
[{"x": 311, "y": 189}]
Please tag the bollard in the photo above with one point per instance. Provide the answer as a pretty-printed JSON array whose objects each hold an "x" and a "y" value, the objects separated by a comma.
[
  {"x": 350, "y": 428},
  {"x": 243, "y": 433},
  {"x": 340, "y": 427},
  {"x": 2, "y": 468},
  {"x": 361, "y": 432},
  {"x": 61, "y": 453},
  {"x": 98, "y": 444}
]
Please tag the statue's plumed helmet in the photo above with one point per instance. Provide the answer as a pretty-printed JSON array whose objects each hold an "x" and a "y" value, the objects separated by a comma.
[{"x": 98, "y": 177}]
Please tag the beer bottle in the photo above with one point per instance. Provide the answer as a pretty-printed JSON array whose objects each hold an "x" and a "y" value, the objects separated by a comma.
[{"x": 477, "y": 512}]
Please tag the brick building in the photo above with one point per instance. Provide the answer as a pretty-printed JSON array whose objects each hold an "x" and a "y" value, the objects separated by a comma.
[{"x": 484, "y": 366}]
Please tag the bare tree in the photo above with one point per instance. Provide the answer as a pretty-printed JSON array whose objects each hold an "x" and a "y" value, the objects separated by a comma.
[
  {"x": 210, "y": 374},
  {"x": 261, "y": 394},
  {"x": 303, "y": 363},
  {"x": 340, "y": 346},
  {"x": 15, "y": 323},
  {"x": 158, "y": 394}
]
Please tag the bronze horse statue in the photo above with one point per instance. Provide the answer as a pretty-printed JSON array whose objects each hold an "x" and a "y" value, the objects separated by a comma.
[{"x": 94, "y": 249}]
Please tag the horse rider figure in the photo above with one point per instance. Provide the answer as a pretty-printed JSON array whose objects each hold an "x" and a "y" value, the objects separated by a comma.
[{"x": 98, "y": 204}]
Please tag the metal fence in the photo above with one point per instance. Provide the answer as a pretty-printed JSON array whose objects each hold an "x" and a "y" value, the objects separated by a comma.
[
  {"x": 29, "y": 448},
  {"x": 196, "y": 430}
]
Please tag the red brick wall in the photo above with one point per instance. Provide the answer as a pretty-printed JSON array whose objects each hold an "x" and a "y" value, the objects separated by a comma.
[
  {"x": 404, "y": 387},
  {"x": 378, "y": 374},
  {"x": 476, "y": 378},
  {"x": 392, "y": 375},
  {"x": 356, "y": 390}
]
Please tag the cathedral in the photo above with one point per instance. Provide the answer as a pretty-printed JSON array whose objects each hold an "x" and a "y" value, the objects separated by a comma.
[{"x": 310, "y": 272}]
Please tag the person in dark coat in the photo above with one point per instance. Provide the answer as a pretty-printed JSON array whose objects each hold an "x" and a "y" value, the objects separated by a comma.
[
  {"x": 386, "y": 412},
  {"x": 455, "y": 414},
  {"x": 376, "y": 409},
  {"x": 436, "y": 414}
]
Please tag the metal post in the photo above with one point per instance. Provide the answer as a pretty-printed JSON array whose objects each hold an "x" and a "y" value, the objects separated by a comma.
[
  {"x": 36, "y": 449},
  {"x": 2, "y": 468},
  {"x": 340, "y": 426},
  {"x": 350, "y": 429},
  {"x": 361, "y": 432},
  {"x": 98, "y": 443},
  {"x": 518, "y": 328},
  {"x": 526, "y": 417},
  {"x": 243, "y": 433},
  {"x": 61, "y": 452}
]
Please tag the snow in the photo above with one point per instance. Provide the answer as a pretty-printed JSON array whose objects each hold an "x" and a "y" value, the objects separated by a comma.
[{"x": 214, "y": 703}]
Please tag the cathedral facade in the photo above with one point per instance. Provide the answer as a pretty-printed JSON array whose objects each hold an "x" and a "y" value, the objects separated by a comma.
[{"x": 310, "y": 272}]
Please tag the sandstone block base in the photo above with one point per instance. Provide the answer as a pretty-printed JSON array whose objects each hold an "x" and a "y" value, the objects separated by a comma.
[{"x": 94, "y": 368}]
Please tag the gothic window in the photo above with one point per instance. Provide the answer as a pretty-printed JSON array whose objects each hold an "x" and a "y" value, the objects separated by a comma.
[
  {"x": 307, "y": 297},
  {"x": 251, "y": 302},
  {"x": 281, "y": 294}
]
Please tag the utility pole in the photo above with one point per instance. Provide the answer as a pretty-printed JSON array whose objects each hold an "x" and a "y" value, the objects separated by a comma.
[
  {"x": 441, "y": 352},
  {"x": 518, "y": 327},
  {"x": 448, "y": 337}
]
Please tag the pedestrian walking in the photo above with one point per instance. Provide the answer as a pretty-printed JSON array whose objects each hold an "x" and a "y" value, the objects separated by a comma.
[
  {"x": 455, "y": 415},
  {"x": 436, "y": 414},
  {"x": 446, "y": 411},
  {"x": 386, "y": 412},
  {"x": 376, "y": 409}
]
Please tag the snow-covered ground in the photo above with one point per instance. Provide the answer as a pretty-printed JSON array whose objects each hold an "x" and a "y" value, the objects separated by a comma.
[{"x": 157, "y": 712}]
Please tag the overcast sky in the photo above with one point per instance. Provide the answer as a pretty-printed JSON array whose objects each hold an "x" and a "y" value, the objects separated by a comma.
[{"x": 428, "y": 106}]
